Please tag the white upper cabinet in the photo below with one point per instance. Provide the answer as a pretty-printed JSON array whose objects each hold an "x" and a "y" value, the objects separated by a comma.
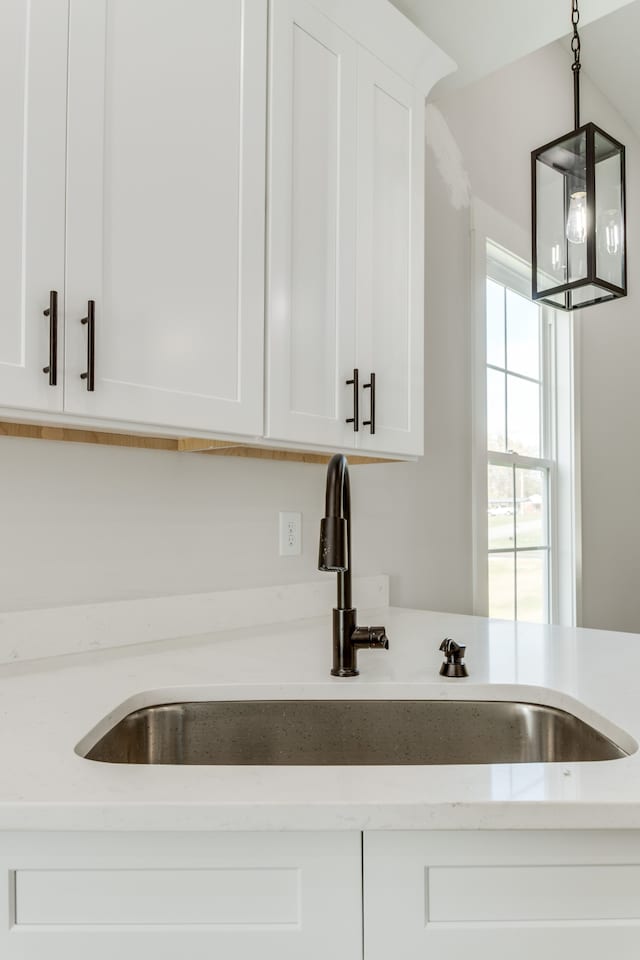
[
  {"x": 134, "y": 182},
  {"x": 165, "y": 212},
  {"x": 390, "y": 270},
  {"x": 311, "y": 238},
  {"x": 33, "y": 77},
  {"x": 346, "y": 225}
]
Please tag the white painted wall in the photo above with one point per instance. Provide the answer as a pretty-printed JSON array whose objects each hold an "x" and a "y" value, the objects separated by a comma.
[
  {"x": 496, "y": 123},
  {"x": 84, "y": 523}
]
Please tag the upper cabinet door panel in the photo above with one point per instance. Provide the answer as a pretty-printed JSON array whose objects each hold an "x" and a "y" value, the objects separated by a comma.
[
  {"x": 312, "y": 158},
  {"x": 33, "y": 79},
  {"x": 167, "y": 103},
  {"x": 390, "y": 316}
]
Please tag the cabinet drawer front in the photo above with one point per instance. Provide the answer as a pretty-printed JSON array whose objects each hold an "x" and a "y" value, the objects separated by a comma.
[
  {"x": 277, "y": 896},
  {"x": 247, "y": 897},
  {"x": 500, "y": 894}
]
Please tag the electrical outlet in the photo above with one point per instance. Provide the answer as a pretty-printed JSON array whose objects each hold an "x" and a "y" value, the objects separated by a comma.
[{"x": 290, "y": 534}]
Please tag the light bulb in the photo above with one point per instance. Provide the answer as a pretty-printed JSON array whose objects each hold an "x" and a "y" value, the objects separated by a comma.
[
  {"x": 577, "y": 218},
  {"x": 613, "y": 239},
  {"x": 613, "y": 232}
]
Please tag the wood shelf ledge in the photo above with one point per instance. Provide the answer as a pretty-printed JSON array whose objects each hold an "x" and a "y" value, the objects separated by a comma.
[{"x": 221, "y": 448}]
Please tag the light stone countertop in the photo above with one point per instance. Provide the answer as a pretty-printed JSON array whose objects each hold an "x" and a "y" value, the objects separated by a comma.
[{"x": 48, "y": 706}]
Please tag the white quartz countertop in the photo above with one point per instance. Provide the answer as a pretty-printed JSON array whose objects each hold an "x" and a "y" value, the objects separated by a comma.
[{"x": 48, "y": 706}]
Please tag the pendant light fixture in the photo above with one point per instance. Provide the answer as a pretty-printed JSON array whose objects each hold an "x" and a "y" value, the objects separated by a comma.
[{"x": 579, "y": 251}]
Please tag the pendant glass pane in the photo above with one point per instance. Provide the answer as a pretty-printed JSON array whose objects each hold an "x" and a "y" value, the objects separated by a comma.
[
  {"x": 610, "y": 265},
  {"x": 586, "y": 296},
  {"x": 562, "y": 213}
]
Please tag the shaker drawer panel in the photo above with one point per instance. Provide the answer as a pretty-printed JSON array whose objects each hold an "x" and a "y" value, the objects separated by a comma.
[
  {"x": 242, "y": 897},
  {"x": 500, "y": 894},
  {"x": 199, "y": 895},
  {"x": 495, "y": 894}
]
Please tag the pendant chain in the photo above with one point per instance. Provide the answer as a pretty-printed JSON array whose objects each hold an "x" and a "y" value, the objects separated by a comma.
[
  {"x": 576, "y": 65},
  {"x": 575, "y": 40}
]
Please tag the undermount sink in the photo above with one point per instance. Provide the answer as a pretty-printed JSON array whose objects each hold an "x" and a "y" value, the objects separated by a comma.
[{"x": 338, "y": 732}]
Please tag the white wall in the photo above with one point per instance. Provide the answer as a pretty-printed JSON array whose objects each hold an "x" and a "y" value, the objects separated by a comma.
[
  {"x": 88, "y": 523},
  {"x": 495, "y": 124},
  {"x": 82, "y": 523}
]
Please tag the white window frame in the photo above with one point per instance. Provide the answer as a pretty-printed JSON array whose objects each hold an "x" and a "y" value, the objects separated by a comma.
[{"x": 561, "y": 427}]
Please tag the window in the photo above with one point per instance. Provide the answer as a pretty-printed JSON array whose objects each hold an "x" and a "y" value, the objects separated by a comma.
[
  {"x": 519, "y": 444},
  {"x": 525, "y": 462}
]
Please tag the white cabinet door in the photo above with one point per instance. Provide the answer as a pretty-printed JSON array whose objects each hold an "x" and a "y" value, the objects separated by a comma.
[
  {"x": 33, "y": 79},
  {"x": 390, "y": 291},
  {"x": 497, "y": 895},
  {"x": 233, "y": 896},
  {"x": 311, "y": 232},
  {"x": 167, "y": 102}
]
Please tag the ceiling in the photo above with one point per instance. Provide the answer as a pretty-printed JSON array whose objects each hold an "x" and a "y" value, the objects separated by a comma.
[
  {"x": 484, "y": 35},
  {"x": 612, "y": 60}
]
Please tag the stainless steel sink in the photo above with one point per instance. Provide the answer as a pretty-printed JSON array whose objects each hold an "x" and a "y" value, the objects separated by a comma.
[{"x": 324, "y": 732}]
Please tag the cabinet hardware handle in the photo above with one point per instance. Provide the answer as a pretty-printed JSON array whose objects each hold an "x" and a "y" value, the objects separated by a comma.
[
  {"x": 90, "y": 319},
  {"x": 52, "y": 313},
  {"x": 371, "y": 386},
  {"x": 355, "y": 382}
]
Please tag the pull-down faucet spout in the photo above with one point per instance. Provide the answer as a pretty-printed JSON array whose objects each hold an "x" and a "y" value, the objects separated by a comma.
[
  {"x": 335, "y": 529},
  {"x": 335, "y": 556}
]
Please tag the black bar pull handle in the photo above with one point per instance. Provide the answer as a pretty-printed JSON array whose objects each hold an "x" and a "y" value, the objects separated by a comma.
[
  {"x": 371, "y": 386},
  {"x": 355, "y": 382},
  {"x": 52, "y": 313},
  {"x": 90, "y": 320}
]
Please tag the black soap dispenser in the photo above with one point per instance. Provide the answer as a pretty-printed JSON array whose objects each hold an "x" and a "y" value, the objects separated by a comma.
[{"x": 454, "y": 665}]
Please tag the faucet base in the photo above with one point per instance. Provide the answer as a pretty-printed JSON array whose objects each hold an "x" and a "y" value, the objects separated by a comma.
[
  {"x": 349, "y": 638},
  {"x": 345, "y": 672},
  {"x": 344, "y": 653}
]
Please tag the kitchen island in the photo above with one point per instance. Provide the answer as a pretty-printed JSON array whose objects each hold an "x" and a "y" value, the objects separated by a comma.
[{"x": 312, "y": 861}]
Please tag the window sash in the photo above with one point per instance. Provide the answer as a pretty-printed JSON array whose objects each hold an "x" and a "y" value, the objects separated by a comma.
[
  {"x": 501, "y": 267},
  {"x": 546, "y": 467}
]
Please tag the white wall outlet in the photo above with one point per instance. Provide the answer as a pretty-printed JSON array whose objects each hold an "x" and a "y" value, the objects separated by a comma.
[{"x": 290, "y": 534}]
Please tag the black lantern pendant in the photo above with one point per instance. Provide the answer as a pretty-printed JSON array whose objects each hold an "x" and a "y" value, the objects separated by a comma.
[{"x": 578, "y": 203}]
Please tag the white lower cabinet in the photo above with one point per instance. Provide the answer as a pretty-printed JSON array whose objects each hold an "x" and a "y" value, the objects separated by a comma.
[
  {"x": 496, "y": 895},
  {"x": 491, "y": 895},
  {"x": 273, "y": 896}
]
